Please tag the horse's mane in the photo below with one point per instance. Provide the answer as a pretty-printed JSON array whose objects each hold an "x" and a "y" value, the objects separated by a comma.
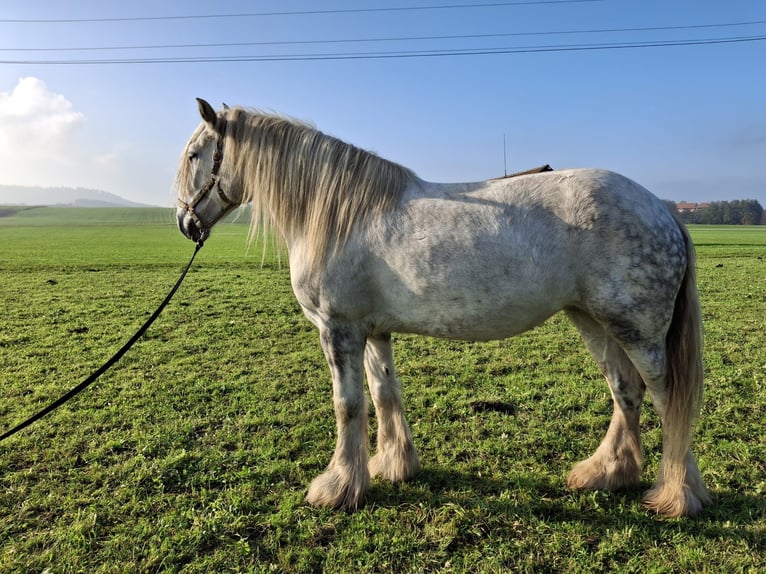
[{"x": 306, "y": 183}]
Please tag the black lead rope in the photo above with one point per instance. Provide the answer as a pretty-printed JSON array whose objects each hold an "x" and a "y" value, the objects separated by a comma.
[{"x": 116, "y": 357}]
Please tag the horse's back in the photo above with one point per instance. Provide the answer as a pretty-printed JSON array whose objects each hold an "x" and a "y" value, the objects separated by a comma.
[{"x": 583, "y": 197}]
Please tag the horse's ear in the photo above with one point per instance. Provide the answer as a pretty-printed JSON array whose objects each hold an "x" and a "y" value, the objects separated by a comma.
[
  {"x": 225, "y": 107},
  {"x": 207, "y": 112}
]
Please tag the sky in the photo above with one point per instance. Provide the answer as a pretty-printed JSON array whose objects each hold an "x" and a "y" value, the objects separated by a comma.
[{"x": 671, "y": 94}]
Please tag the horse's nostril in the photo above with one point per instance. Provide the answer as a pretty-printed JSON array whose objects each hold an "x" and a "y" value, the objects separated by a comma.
[{"x": 188, "y": 226}]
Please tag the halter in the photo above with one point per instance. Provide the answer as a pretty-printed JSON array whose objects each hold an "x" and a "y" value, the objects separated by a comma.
[{"x": 213, "y": 183}]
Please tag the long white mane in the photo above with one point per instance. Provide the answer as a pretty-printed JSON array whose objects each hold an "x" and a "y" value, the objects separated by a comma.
[{"x": 302, "y": 181}]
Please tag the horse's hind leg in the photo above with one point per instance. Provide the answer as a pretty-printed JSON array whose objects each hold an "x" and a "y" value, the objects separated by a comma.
[
  {"x": 617, "y": 462},
  {"x": 396, "y": 459},
  {"x": 635, "y": 365},
  {"x": 346, "y": 480},
  {"x": 679, "y": 490}
]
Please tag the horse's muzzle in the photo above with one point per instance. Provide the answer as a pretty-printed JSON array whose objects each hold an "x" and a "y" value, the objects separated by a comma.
[{"x": 188, "y": 225}]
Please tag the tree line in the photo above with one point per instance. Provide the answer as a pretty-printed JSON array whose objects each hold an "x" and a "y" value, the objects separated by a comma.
[{"x": 736, "y": 212}]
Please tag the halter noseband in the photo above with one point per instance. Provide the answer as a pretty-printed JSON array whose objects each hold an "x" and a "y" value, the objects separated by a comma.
[{"x": 213, "y": 183}]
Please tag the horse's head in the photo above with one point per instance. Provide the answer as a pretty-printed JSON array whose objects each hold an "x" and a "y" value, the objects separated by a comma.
[{"x": 204, "y": 197}]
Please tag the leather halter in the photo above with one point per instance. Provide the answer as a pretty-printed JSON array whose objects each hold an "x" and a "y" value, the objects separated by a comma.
[{"x": 213, "y": 183}]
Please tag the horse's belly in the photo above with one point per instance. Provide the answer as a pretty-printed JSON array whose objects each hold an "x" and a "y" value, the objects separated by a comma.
[
  {"x": 466, "y": 328},
  {"x": 469, "y": 316}
]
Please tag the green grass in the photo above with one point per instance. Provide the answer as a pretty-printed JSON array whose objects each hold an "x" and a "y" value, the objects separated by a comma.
[
  {"x": 21, "y": 216},
  {"x": 194, "y": 453}
]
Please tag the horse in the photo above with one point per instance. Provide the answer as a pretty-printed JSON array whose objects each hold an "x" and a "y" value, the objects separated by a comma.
[{"x": 374, "y": 250}]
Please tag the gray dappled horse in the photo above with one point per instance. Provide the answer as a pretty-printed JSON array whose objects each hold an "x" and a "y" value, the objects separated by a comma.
[{"x": 374, "y": 250}]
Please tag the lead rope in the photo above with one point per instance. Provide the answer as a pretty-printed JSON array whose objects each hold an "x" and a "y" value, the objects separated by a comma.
[{"x": 116, "y": 357}]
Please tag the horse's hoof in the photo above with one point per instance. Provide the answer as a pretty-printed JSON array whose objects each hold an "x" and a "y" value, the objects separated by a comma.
[
  {"x": 334, "y": 489},
  {"x": 397, "y": 467},
  {"x": 673, "y": 502},
  {"x": 592, "y": 474}
]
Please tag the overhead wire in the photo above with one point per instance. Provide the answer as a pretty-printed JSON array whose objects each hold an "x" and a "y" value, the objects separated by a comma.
[
  {"x": 396, "y": 54},
  {"x": 378, "y": 54},
  {"x": 471, "y": 5},
  {"x": 384, "y": 39}
]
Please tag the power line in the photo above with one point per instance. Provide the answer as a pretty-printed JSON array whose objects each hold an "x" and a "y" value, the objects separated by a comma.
[
  {"x": 399, "y": 54},
  {"x": 386, "y": 39},
  {"x": 292, "y": 13}
]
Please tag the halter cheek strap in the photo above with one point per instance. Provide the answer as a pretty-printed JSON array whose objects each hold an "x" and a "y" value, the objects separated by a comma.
[{"x": 213, "y": 183}]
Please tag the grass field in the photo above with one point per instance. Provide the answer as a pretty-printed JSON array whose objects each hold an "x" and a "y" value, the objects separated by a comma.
[{"x": 194, "y": 453}]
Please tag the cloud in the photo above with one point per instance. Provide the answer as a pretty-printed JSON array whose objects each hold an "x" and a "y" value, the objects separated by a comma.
[
  {"x": 33, "y": 111},
  {"x": 38, "y": 133}
]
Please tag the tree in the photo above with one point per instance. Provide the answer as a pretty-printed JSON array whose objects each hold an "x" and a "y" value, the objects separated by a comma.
[{"x": 736, "y": 212}]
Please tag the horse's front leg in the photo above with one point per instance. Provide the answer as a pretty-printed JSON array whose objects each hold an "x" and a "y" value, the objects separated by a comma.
[
  {"x": 396, "y": 459},
  {"x": 346, "y": 480}
]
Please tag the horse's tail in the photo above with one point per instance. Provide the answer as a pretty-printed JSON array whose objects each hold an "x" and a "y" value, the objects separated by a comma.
[
  {"x": 684, "y": 347},
  {"x": 684, "y": 343}
]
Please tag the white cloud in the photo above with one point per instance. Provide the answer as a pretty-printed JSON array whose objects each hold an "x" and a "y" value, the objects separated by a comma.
[
  {"x": 31, "y": 98},
  {"x": 36, "y": 116},
  {"x": 38, "y": 134}
]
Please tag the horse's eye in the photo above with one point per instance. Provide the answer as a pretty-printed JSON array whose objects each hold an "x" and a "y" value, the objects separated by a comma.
[{"x": 193, "y": 155}]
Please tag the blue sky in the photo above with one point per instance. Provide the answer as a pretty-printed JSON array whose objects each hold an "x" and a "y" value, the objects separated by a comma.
[{"x": 688, "y": 122}]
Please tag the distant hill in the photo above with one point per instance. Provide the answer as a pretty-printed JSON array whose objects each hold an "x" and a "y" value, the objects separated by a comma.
[{"x": 62, "y": 196}]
